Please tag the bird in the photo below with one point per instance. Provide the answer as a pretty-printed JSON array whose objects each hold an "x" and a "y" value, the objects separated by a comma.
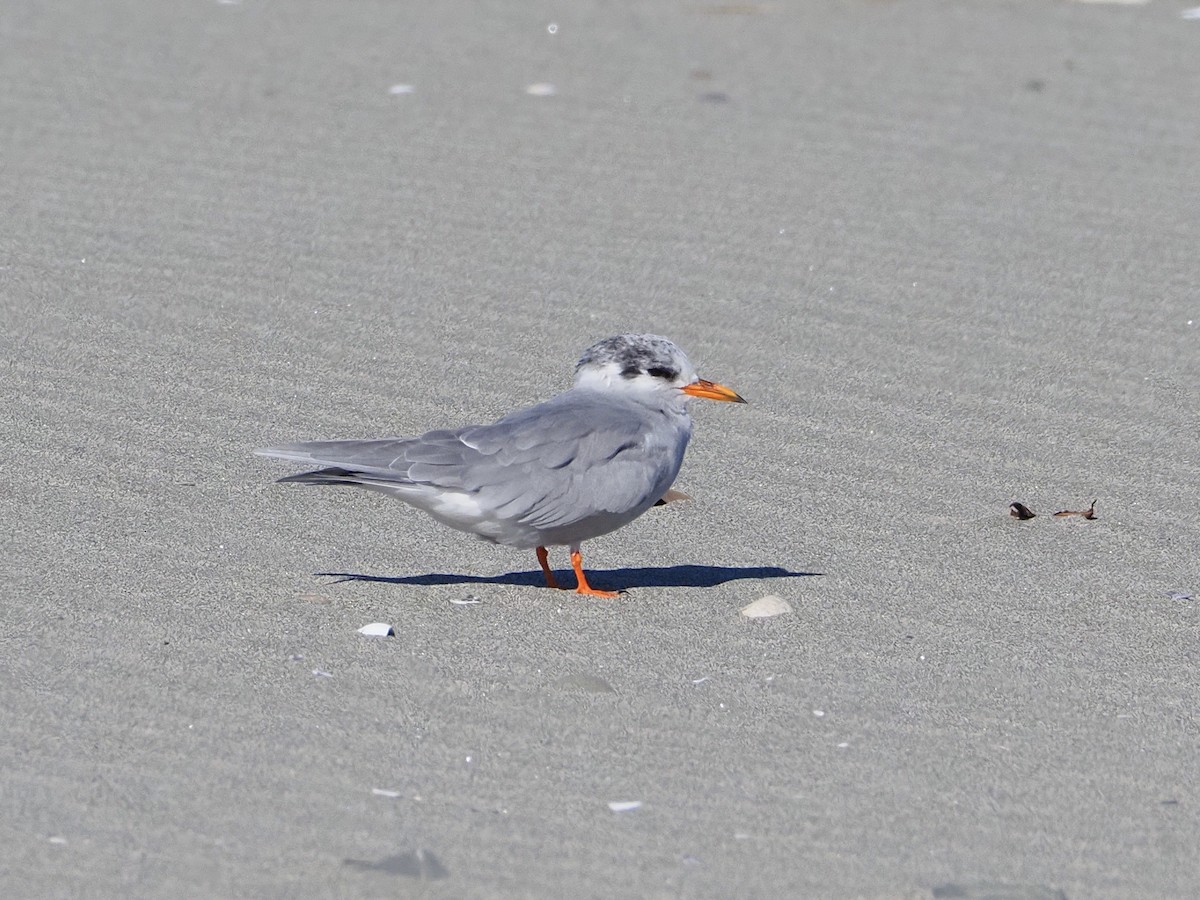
[{"x": 577, "y": 466}]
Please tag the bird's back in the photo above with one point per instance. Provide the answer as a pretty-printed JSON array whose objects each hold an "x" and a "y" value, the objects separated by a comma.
[{"x": 579, "y": 465}]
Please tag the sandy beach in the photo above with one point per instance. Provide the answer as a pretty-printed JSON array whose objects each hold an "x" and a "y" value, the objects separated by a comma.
[{"x": 948, "y": 252}]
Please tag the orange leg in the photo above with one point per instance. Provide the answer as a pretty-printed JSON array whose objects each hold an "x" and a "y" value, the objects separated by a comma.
[
  {"x": 544, "y": 560},
  {"x": 583, "y": 587}
]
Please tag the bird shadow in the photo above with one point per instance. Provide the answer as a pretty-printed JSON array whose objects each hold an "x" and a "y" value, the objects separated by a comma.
[{"x": 611, "y": 579}]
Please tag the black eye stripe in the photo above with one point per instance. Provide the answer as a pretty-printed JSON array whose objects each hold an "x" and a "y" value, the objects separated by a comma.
[{"x": 664, "y": 372}]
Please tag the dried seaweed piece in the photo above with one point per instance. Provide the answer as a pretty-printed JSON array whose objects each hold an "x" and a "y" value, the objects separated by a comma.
[
  {"x": 1019, "y": 510},
  {"x": 1089, "y": 513}
]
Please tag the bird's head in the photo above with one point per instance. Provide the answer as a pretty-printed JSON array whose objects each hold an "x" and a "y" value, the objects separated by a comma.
[{"x": 647, "y": 367}]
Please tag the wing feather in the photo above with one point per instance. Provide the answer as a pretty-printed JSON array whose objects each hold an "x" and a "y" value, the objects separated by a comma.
[{"x": 549, "y": 466}]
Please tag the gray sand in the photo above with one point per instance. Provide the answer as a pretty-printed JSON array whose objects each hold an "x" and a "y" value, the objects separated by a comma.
[{"x": 947, "y": 250}]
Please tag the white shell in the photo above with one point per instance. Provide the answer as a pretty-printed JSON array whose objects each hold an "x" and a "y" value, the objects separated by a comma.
[
  {"x": 765, "y": 607},
  {"x": 378, "y": 629},
  {"x": 624, "y": 805}
]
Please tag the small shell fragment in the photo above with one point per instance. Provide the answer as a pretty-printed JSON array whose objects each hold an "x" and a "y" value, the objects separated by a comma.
[
  {"x": 469, "y": 600},
  {"x": 383, "y": 792},
  {"x": 624, "y": 805},
  {"x": 765, "y": 607},
  {"x": 671, "y": 496},
  {"x": 541, "y": 89},
  {"x": 378, "y": 629}
]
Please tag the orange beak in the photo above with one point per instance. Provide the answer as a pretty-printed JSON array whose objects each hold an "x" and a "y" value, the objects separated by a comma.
[{"x": 711, "y": 391}]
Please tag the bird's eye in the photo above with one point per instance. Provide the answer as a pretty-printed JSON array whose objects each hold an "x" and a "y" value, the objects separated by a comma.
[{"x": 663, "y": 373}]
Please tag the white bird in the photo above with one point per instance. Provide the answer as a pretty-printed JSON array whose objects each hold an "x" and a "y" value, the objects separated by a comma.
[{"x": 575, "y": 467}]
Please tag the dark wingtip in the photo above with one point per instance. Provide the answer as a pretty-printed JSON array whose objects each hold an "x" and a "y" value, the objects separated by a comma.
[{"x": 320, "y": 476}]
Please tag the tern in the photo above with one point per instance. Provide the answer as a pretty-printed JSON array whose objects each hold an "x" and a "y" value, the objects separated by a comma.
[{"x": 575, "y": 467}]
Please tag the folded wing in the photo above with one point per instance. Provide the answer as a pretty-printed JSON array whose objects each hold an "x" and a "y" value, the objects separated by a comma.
[{"x": 550, "y": 466}]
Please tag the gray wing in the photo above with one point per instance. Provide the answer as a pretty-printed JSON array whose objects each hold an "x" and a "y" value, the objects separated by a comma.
[
  {"x": 547, "y": 466},
  {"x": 397, "y": 461},
  {"x": 577, "y": 455}
]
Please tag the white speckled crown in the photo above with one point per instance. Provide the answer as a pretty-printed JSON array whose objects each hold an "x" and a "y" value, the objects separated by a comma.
[{"x": 631, "y": 355}]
